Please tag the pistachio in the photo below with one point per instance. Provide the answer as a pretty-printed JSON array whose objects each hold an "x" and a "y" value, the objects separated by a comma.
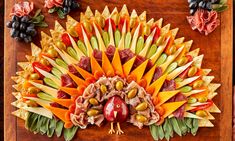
[
  {"x": 72, "y": 31},
  {"x": 31, "y": 103},
  {"x": 132, "y": 93},
  {"x": 33, "y": 90},
  {"x": 92, "y": 112},
  {"x": 146, "y": 30},
  {"x": 141, "y": 118},
  {"x": 87, "y": 26},
  {"x": 192, "y": 100},
  {"x": 202, "y": 99},
  {"x": 103, "y": 89},
  {"x": 182, "y": 61},
  {"x": 201, "y": 113},
  {"x": 44, "y": 62},
  {"x": 60, "y": 45},
  {"x": 119, "y": 85},
  {"x": 142, "y": 106},
  {"x": 93, "y": 101},
  {"x": 185, "y": 89},
  {"x": 192, "y": 71},
  {"x": 52, "y": 53},
  {"x": 159, "y": 40},
  {"x": 34, "y": 76},
  {"x": 197, "y": 84}
]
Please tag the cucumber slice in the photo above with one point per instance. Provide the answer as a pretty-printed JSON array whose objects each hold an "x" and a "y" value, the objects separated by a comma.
[
  {"x": 56, "y": 72},
  {"x": 61, "y": 63},
  {"x": 72, "y": 53},
  {"x": 128, "y": 40},
  {"x": 161, "y": 59},
  {"x": 94, "y": 43},
  {"x": 140, "y": 45},
  {"x": 105, "y": 37},
  {"x": 45, "y": 96},
  {"x": 82, "y": 47},
  {"x": 50, "y": 82},
  {"x": 117, "y": 37},
  {"x": 171, "y": 67},
  {"x": 152, "y": 50}
]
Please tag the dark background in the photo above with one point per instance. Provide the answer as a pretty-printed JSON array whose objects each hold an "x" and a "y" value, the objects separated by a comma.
[{"x": 2, "y": 65}]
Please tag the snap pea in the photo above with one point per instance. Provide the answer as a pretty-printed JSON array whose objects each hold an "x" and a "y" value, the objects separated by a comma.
[
  {"x": 61, "y": 63},
  {"x": 182, "y": 126},
  {"x": 44, "y": 127},
  {"x": 82, "y": 47},
  {"x": 59, "y": 128},
  {"x": 175, "y": 126},
  {"x": 105, "y": 37},
  {"x": 161, "y": 59},
  {"x": 117, "y": 37},
  {"x": 153, "y": 131},
  {"x": 94, "y": 42},
  {"x": 195, "y": 127},
  {"x": 152, "y": 50},
  {"x": 69, "y": 133},
  {"x": 39, "y": 123},
  {"x": 51, "y": 127},
  {"x": 72, "y": 52},
  {"x": 139, "y": 45},
  {"x": 56, "y": 72},
  {"x": 50, "y": 82},
  {"x": 33, "y": 125},
  {"x": 189, "y": 122},
  {"x": 171, "y": 67},
  {"x": 185, "y": 89},
  {"x": 160, "y": 132},
  {"x": 128, "y": 40},
  {"x": 166, "y": 130}
]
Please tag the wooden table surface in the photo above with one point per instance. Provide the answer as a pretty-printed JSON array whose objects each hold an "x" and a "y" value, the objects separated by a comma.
[{"x": 217, "y": 48}]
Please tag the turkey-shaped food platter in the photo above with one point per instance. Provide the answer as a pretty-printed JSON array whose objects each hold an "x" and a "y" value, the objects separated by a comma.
[{"x": 114, "y": 69}]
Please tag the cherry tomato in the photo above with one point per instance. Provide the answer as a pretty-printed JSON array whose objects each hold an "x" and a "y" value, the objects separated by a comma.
[
  {"x": 190, "y": 58},
  {"x": 66, "y": 40}
]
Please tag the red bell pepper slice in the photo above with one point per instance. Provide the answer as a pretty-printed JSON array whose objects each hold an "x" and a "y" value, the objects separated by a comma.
[
  {"x": 106, "y": 26},
  {"x": 203, "y": 107},
  {"x": 121, "y": 23},
  {"x": 40, "y": 66},
  {"x": 65, "y": 39},
  {"x": 184, "y": 74}
]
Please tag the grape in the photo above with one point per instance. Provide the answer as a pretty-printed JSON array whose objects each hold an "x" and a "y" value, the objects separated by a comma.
[
  {"x": 18, "y": 39},
  {"x": 15, "y": 18},
  {"x": 208, "y": 5},
  {"x": 202, "y": 4},
  {"x": 193, "y": 5},
  {"x": 23, "y": 26},
  {"x": 31, "y": 26},
  {"x": 192, "y": 11},
  {"x": 23, "y": 35},
  {"x": 14, "y": 32},
  {"x": 68, "y": 3},
  {"x": 190, "y": 1},
  {"x": 214, "y": 1},
  {"x": 25, "y": 19},
  {"x": 74, "y": 5},
  {"x": 15, "y": 24}
]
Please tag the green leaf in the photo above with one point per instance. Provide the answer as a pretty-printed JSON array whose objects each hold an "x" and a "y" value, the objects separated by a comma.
[
  {"x": 153, "y": 131},
  {"x": 42, "y": 24},
  {"x": 195, "y": 127},
  {"x": 37, "y": 13},
  {"x": 60, "y": 14},
  {"x": 51, "y": 128},
  {"x": 175, "y": 126},
  {"x": 52, "y": 10},
  {"x": 59, "y": 128},
  {"x": 160, "y": 132},
  {"x": 221, "y": 9},
  {"x": 69, "y": 133}
]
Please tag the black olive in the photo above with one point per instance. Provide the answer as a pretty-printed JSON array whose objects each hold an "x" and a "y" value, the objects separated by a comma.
[
  {"x": 9, "y": 24},
  {"x": 15, "y": 25}
]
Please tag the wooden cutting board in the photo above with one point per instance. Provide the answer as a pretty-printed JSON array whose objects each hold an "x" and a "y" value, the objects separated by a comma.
[{"x": 217, "y": 48}]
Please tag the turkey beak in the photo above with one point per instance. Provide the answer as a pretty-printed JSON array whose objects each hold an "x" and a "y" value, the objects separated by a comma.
[{"x": 115, "y": 114}]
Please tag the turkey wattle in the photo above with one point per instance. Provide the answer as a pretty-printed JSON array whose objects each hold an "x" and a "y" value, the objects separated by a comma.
[{"x": 115, "y": 110}]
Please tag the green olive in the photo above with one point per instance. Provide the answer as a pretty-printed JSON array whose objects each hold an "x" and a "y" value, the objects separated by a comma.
[
  {"x": 60, "y": 45},
  {"x": 93, "y": 101},
  {"x": 52, "y": 53},
  {"x": 201, "y": 113},
  {"x": 44, "y": 62},
  {"x": 100, "y": 20},
  {"x": 159, "y": 40},
  {"x": 192, "y": 100},
  {"x": 119, "y": 85},
  {"x": 142, "y": 106},
  {"x": 197, "y": 84},
  {"x": 202, "y": 99},
  {"x": 172, "y": 49},
  {"x": 186, "y": 89},
  {"x": 72, "y": 31},
  {"x": 33, "y": 90},
  {"x": 34, "y": 76},
  {"x": 31, "y": 103},
  {"x": 103, "y": 89},
  {"x": 132, "y": 93},
  {"x": 182, "y": 61},
  {"x": 146, "y": 30},
  {"x": 92, "y": 112},
  {"x": 87, "y": 26},
  {"x": 132, "y": 21},
  {"x": 192, "y": 71},
  {"x": 141, "y": 118}
]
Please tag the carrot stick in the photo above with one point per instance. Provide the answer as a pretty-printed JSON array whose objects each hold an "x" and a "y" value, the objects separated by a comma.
[
  {"x": 59, "y": 112},
  {"x": 71, "y": 91},
  {"x": 64, "y": 102}
]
